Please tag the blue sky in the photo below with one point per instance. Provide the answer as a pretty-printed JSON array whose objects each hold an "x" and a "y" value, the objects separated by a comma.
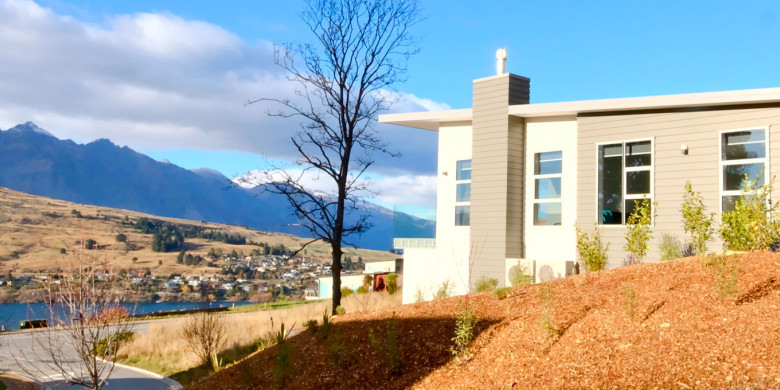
[{"x": 169, "y": 78}]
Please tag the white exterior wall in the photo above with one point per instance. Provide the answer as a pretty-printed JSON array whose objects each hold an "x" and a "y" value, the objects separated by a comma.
[
  {"x": 425, "y": 270},
  {"x": 552, "y": 243},
  {"x": 380, "y": 266},
  {"x": 325, "y": 284}
]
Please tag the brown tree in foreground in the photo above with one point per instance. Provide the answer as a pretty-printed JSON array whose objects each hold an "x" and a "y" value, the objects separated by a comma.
[
  {"x": 204, "y": 333},
  {"x": 360, "y": 50}
]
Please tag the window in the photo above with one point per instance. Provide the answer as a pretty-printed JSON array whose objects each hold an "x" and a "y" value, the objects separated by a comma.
[
  {"x": 463, "y": 193},
  {"x": 741, "y": 152},
  {"x": 625, "y": 175},
  {"x": 547, "y": 191}
]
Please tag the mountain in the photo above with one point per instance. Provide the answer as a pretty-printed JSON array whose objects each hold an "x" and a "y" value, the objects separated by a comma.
[{"x": 104, "y": 174}]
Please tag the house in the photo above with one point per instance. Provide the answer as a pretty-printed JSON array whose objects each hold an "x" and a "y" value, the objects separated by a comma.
[{"x": 514, "y": 178}]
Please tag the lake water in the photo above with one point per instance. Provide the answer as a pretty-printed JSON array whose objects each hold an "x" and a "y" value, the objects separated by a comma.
[{"x": 11, "y": 314}]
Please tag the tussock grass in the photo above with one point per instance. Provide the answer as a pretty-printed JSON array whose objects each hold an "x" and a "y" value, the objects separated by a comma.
[{"x": 163, "y": 350}]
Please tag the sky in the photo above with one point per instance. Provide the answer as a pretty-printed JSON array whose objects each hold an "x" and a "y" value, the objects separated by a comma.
[{"x": 170, "y": 78}]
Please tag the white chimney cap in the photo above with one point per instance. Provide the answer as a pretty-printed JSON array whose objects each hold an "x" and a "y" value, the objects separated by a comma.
[{"x": 500, "y": 61}]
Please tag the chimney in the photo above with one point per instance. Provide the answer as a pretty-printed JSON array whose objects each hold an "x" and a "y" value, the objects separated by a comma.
[{"x": 500, "y": 61}]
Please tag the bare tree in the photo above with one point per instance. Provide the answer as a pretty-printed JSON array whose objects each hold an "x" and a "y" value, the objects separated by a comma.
[
  {"x": 82, "y": 348},
  {"x": 344, "y": 78},
  {"x": 204, "y": 333}
]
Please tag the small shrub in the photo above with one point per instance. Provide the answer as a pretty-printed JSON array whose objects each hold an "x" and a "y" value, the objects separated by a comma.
[
  {"x": 519, "y": 275},
  {"x": 592, "y": 251},
  {"x": 346, "y": 291},
  {"x": 121, "y": 237},
  {"x": 311, "y": 325},
  {"x": 419, "y": 296},
  {"x": 696, "y": 221},
  {"x": 465, "y": 324},
  {"x": 392, "y": 283},
  {"x": 204, "y": 333},
  {"x": 639, "y": 231},
  {"x": 368, "y": 280},
  {"x": 670, "y": 247},
  {"x": 444, "y": 290},
  {"x": 90, "y": 244},
  {"x": 63, "y": 251},
  {"x": 361, "y": 290},
  {"x": 216, "y": 362},
  {"x": 326, "y": 324},
  {"x": 630, "y": 302},
  {"x": 283, "y": 366},
  {"x": 485, "y": 284},
  {"x": 499, "y": 293},
  {"x": 725, "y": 274},
  {"x": 340, "y": 310},
  {"x": 280, "y": 336},
  {"x": 338, "y": 352},
  {"x": 109, "y": 345},
  {"x": 751, "y": 225},
  {"x": 389, "y": 349},
  {"x": 547, "y": 318}
]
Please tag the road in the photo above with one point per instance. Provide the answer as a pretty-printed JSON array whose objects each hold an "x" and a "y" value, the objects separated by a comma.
[{"x": 20, "y": 350}]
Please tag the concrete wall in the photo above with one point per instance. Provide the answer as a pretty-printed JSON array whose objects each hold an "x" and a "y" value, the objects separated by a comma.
[{"x": 700, "y": 130}]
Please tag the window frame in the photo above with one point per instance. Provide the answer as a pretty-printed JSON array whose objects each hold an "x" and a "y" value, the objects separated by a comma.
[
  {"x": 624, "y": 169},
  {"x": 456, "y": 203},
  {"x": 536, "y": 177},
  {"x": 724, "y": 163}
]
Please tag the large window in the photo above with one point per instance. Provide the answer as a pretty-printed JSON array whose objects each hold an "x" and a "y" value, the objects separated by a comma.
[
  {"x": 463, "y": 193},
  {"x": 625, "y": 175},
  {"x": 547, "y": 191},
  {"x": 742, "y": 153}
]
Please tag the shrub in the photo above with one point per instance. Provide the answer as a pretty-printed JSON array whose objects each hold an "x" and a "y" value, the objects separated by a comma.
[
  {"x": 346, "y": 291},
  {"x": 121, "y": 237},
  {"x": 751, "y": 225},
  {"x": 216, "y": 363},
  {"x": 311, "y": 325},
  {"x": 110, "y": 344},
  {"x": 389, "y": 350},
  {"x": 696, "y": 221},
  {"x": 419, "y": 296},
  {"x": 547, "y": 318},
  {"x": 338, "y": 352},
  {"x": 368, "y": 280},
  {"x": 670, "y": 247},
  {"x": 392, "y": 283},
  {"x": 204, "y": 333},
  {"x": 90, "y": 244},
  {"x": 630, "y": 302},
  {"x": 444, "y": 290},
  {"x": 639, "y": 231},
  {"x": 283, "y": 366},
  {"x": 362, "y": 290},
  {"x": 63, "y": 251},
  {"x": 485, "y": 284},
  {"x": 499, "y": 293},
  {"x": 725, "y": 274},
  {"x": 465, "y": 325},
  {"x": 340, "y": 310},
  {"x": 592, "y": 251},
  {"x": 326, "y": 324},
  {"x": 519, "y": 275}
]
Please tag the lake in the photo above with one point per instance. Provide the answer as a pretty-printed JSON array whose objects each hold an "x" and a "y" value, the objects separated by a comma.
[{"x": 11, "y": 314}]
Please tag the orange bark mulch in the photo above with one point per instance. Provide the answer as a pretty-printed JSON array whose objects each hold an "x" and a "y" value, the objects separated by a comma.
[{"x": 676, "y": 333}]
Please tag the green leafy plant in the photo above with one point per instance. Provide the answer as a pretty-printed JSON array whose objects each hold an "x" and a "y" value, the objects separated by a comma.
[
  {"x": 368, "y": 280},
  {"x": 499, "y": 293},
  {"x": 340, "y": 310},
  {"x": 346, "y": 291},
  {"x": 110, "y": 344},
  {"x": 485, "y": 284},
  {"x": 547, "y": 317},
  {"x": 326, "y": 325},
  {"x": 389, "y": 349},
  {"x": 752, "y": 225},
  {"x": 443, "y": 292},
  {"x": 670, "y": 247},
  {"x": 630, "y": 302},
  {"x": 283, "y": 367},
  {"x": 361, "y": 290},
  {"x": 216, "y": 362},
  {"x": 639, "y": 231},
  {"x": 311, "y": 325},
  {"x": 419, "y": 296},
  {"x": 696, "y": 221},
  {"x": 465, "y": 324},
  {"x": 392, "y": 283},
  {"x": 281, "y": 335},
  {"x": 725, "y": 274},
  {"x": 519, "y": 275},
  {"x": 338, "y": 352},
  {"x": 592, "y": 251}
]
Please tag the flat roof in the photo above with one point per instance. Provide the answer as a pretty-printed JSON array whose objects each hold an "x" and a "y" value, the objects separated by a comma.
[{"x": 431, "y": 120}]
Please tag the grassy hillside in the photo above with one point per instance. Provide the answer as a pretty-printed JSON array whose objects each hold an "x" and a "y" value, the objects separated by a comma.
[
  {"x": 34, "y": 230},
  {"x": 675, "y": 325}
]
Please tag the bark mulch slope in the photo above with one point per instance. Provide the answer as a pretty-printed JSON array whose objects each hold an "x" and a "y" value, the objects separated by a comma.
[{"x": 648, "y": 326}]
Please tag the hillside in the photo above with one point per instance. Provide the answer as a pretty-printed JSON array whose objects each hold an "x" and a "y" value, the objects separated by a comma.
[
  {"x": 682, "y": 335},
  {"x": 104, "y": 174},
  {"x": 34, "y": 229}
]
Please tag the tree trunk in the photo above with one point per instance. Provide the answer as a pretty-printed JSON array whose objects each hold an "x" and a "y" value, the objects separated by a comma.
[{"x": 336, "y": 273}]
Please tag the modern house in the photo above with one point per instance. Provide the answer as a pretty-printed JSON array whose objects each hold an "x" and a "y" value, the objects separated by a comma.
[{"x": 514, "y": 178}]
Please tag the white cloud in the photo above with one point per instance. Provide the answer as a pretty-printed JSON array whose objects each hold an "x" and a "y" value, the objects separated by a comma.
[{"x": 158, "y": 81}]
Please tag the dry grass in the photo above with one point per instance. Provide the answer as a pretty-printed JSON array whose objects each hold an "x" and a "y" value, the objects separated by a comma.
[
  {"x": 35, "y": 228},
  {"x": 163, "y": 344}
]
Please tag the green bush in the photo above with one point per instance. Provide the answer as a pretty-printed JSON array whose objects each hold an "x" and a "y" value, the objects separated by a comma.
[
  {"x": 389, "y": 349},
  {"x": 519, "y": 275},
  {"x": 110, "y": 344},
  {"x": 465, "y": 325},
  {"x": 340, "y": 310},
  {"x": 751, "y": 225},
  {"x": 419, "y": 296},
  {"x": 696, "y": 221},
  {"x": 485, "y": 284},
  {"x": 444, "y": 290},
  {"x": 63, "y": 251},
  {"x": 499, "y": 293},
  {"x": 547, "y": 317},
  {"x": 346, "y": 291},
  {"x": 670, "y": 247},
  {"x": 311, "y": 325},
  {"x": 639, "y": 230},
  {"x": 392, "y": 283},
  {"x": 725, "y": 274},
  {"x": 121, "y": 237},
  {"x": 326, "y": 325},
  {"x": 361, "y": 290},
  {"x": 368, "y": 280},
  {"x": 592, "y": 251}
]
